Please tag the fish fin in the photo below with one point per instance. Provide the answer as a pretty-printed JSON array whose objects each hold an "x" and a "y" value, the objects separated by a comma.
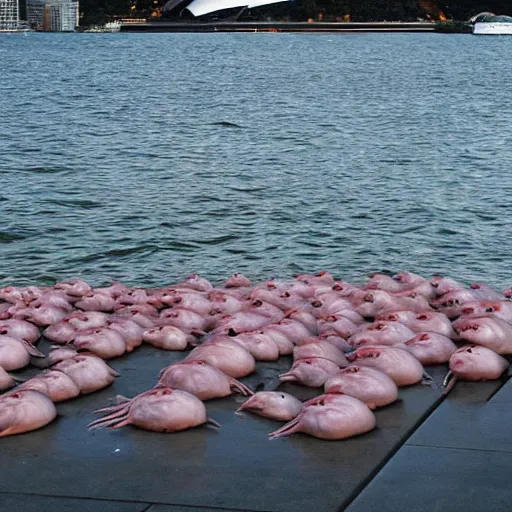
[{"x": 32, "y": 350}]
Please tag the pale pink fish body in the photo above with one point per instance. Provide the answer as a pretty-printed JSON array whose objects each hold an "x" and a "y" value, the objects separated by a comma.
[
  {"x": 133, "y": 296},
  {"x": 430, "y": 321},
  {"x": 311, "y": 371},
  {"x": 322, "y": 277},
  {"x": 377, "y": 302},
  {"x": 341, "y": 325},
  {"x": 485, "y": 292},
  {"x": 382, "y": 333},
  {"x": 130, "y": 313},
  {"x": 130, "y": 331},
  {"x": 56, "y": 355},
  {"x": 283, "y": 299},
  {"x": 444, "y": 285},
  {"x": 473, "y": 362},
  {"x": 305, "y": 317},
  {"x": 242, "y": 321},
  {"x": 237, "y": 281},
  {"x": 224, "y": 302},
  {"x": 431, "y": 348},
  {"x": 410, "y": 299},
  {"x": 146, "y": 310},
  {"x": 329, "y": 304},
  {"x": 294, "y": 330},
  {"x": 501, "y": 309},
  {"x": 335, "y": 339},
  {"x": 190, "y": 299},
  {"x": 73, "y": 287},
  {"x": 275, "y": 405},
  {"x": 371, "y": 386},
  {"x": 284, "y": 345},
  {"x": 103, "y": 342},
  {"x": 4, "y": 310},
  {"x": 6, "y": 380},
  {"x": 384, "y": 282},
  {"x": 11, "y": 294},
  {"x": 13, "y": 353},
  {"x": 489, "y": 331},
  {"x": 227, "y": 355},
  {"x": 197, "y": 283},
  {"x": 90, "y": 373},
  {"x": 185, "y": 319},
  {"x": 82, "y": 320},
  {"x": 96, "y": 301},
  {"x": 262, "y": 347},
  {"x": 43, "y": 316},
  {"x": 201, "y": 379},
  {"x": 168, "y": 337},
  {"x": 330, "y": 417},
  {"x": 313, "y": 347},
  {"x": 158, "y": 410},
  {"x": 454, "y": 298},
  {"x": 55, "y": 299},
  {"x": 24, "y": 411},
  {"x": 56, "y": 385},
  {"x": 264, "y": 308},
  {"x": 406, "y": 281},
  {"x": 115, "y": 290},
  {"x": 345, "y": 289},
  {"x": 20, "y": 329},
  {"x": 396, "y": 362},
  {"x": 62, "y": 332}
]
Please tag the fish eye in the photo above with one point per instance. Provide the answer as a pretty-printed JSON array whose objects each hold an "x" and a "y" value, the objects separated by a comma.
[
  {"x": 489, "y": 310},
  {"x": 282, "y": 396},
  {"x": 470, "y": 350}
]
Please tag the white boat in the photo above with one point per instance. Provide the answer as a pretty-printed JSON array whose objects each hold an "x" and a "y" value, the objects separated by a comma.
[
  {"x": 492, "y": 29},
  {"x": 113, "y": 26},
  {"x": 487, "y": 23}
]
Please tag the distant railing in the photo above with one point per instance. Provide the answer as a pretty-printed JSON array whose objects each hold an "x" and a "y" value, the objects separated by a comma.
[{"x": 134, "y": 20}]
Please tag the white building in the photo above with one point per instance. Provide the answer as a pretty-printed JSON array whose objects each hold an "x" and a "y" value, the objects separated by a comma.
[{"x": 9, "y": 15}]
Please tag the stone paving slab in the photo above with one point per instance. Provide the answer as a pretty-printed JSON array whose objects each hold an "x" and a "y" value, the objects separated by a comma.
[
  {"x": 453, "y": 461},
  {"x": 13, "y": 502},
  {"x": 504, "y": 395},
  {"x": 426, "y": 479},
  {"x": 235, "y": 467},
  {"x": 178, "y": 508}
]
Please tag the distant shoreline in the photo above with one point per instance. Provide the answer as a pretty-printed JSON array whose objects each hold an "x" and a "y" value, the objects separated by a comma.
[{"x": 277, "y": 26}]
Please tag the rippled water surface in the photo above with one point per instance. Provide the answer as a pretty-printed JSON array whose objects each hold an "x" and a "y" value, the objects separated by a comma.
[{"x": 146, "y": 157}]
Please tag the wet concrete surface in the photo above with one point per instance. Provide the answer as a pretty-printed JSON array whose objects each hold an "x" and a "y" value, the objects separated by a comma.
[
  {"x": 235, "y": 467},
  {"x": 458, "y": 459}
]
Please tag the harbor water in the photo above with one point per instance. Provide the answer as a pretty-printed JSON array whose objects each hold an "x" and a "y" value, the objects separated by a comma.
[{"x": 146, "y": 157}]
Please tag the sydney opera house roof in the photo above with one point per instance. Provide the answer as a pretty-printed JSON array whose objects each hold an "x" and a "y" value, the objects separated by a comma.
[{"x": 202, "y": 7}]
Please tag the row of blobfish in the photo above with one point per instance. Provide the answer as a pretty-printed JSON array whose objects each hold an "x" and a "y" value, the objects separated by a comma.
[{"x": 360, "y": 343}]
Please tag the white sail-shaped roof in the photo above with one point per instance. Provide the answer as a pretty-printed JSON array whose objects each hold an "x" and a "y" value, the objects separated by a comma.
[
  {"x": 200, "y": 7},
  {"x": 257, "y": 3}
]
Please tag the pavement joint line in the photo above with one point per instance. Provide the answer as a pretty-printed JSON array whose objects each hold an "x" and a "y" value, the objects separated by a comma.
[
  {"x": 71, "y": 497},
  {"x": 459, "y": 448},
  {"x": 148, "y": 507},
  {"x": 500, "y": 388},
  {"x": 362, "y": 486}
]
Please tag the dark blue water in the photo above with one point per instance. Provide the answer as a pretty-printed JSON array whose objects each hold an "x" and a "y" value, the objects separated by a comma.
[{"x": 144, "y": 158}]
